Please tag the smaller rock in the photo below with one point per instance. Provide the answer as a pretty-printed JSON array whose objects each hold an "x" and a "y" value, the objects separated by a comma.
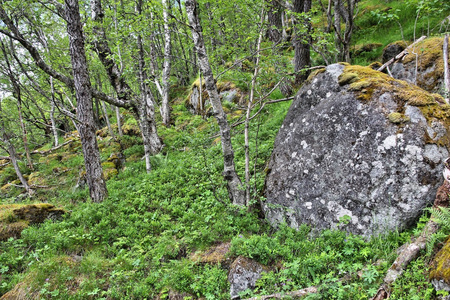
[
  {"x": 215, "y": 255},
  {"x": 391, "y": 50},
  {"x": 243, "y": 275}
]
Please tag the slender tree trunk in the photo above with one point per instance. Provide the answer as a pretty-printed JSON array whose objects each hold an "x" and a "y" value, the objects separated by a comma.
[
  {"x": 247, "y": 117},
  {"x": 119, "y": 122},
  {"x": 108, "y": 123},
  {"x": 235, "y": 188},
  {"x": 24, "y": 130},
  {"x": 85, "y": 114},
  {"x": 143, "y": 105},
  {"x": 52, "y": 114},
  {"x": 12, "y": 155},
  {"x": 18, "y": 94},
  {"x": 165, "y": 109},
  {"x": 152, "y": 142},
  {"x": 337, "y": 28}
]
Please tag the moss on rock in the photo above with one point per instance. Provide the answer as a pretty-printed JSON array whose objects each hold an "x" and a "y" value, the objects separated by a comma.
[
  {"x": 131, "y": 129},
  {"x": 398, "y": 118},
  {"x": 16, "y": 217},
  {"x": 440, "y": 266},
  {"x": 369, "y": 84}
]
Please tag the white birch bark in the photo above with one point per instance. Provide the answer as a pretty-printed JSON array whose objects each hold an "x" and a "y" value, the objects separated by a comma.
[
  {"x": 247, "y": 116},
  {"x": 234, "y": 184},
  {"x": 165, "y": 109},
  {"x": 52, "y": 114}
]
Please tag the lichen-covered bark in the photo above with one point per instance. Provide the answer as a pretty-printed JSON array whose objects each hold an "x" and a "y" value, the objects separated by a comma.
[
  {"x": 234, "y": 183},
  {"x": 85, "y": 114}
]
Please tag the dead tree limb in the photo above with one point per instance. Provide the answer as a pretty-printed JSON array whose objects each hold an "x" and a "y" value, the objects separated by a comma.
[
  {"x": 446, "y": 70},
  {"x": 411, "y": 250},
  {"x": 52, "y": 149},
  {"x": 401, "y": 54},
  {"x": 298, "y": 293}
]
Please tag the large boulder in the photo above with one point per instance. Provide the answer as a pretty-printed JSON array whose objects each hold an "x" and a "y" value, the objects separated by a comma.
[
  {"x": 357, "y": 149},
  {"x": 425, "y": 59}
]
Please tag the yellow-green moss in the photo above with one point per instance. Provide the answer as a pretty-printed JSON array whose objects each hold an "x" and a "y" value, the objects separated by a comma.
[
  {"x": 131, "y": 129},
  {"x": 221, "y": 87},
  {"x": 398, "y": 118},
  {"x": 315, "y": 73},
  {"x": 347, "y": 78},
  {"x": 429, "y": 52},
  {"x": 375, "y": 65},
  {"x": 109, "y": 173},
  {"x": 108, "y": 165},
  {"x": 215, "y": 255},
  {"x": 36, "y": 178},
  {"x": 369, "y": 84},
  {"x": 441, "y": 264},
  {"x": 16, "y": 217}
]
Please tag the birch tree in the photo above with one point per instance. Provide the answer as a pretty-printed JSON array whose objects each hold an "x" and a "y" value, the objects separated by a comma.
[
  {"x": 234, "y": 184},
  {"x": 165, "y": 109}
]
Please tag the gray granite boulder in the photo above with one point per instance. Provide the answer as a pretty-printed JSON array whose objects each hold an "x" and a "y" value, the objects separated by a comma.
[{"x": 359, "y": 150}]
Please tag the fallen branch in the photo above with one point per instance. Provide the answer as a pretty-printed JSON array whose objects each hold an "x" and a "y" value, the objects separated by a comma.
[
  {"x": 401, "y": 54},
  {"x": 52, "y": 149},
  {"x": 411, "y": 250},
  {"x": 298, "y": 293}
]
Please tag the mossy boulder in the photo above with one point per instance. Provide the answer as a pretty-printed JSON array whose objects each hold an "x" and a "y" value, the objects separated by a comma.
[
  {"x": 359, "y": 144},
  {"x": 440, "y": 269},
  {"x": 131, "y": 130},
  {"x": 430, "y": 65},
  {"x": 109, "y": 170},
  {"x": 16, "y": 217},
  {"x": 369, "y": 47},
  {"x": 228, "y": 92},
  {"x": 392, "y": 50}
]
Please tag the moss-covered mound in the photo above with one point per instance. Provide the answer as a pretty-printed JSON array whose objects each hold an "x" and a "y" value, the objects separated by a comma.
[
  {"x": 226, "y": 89},
  {"x": 16, "y": 217}
]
